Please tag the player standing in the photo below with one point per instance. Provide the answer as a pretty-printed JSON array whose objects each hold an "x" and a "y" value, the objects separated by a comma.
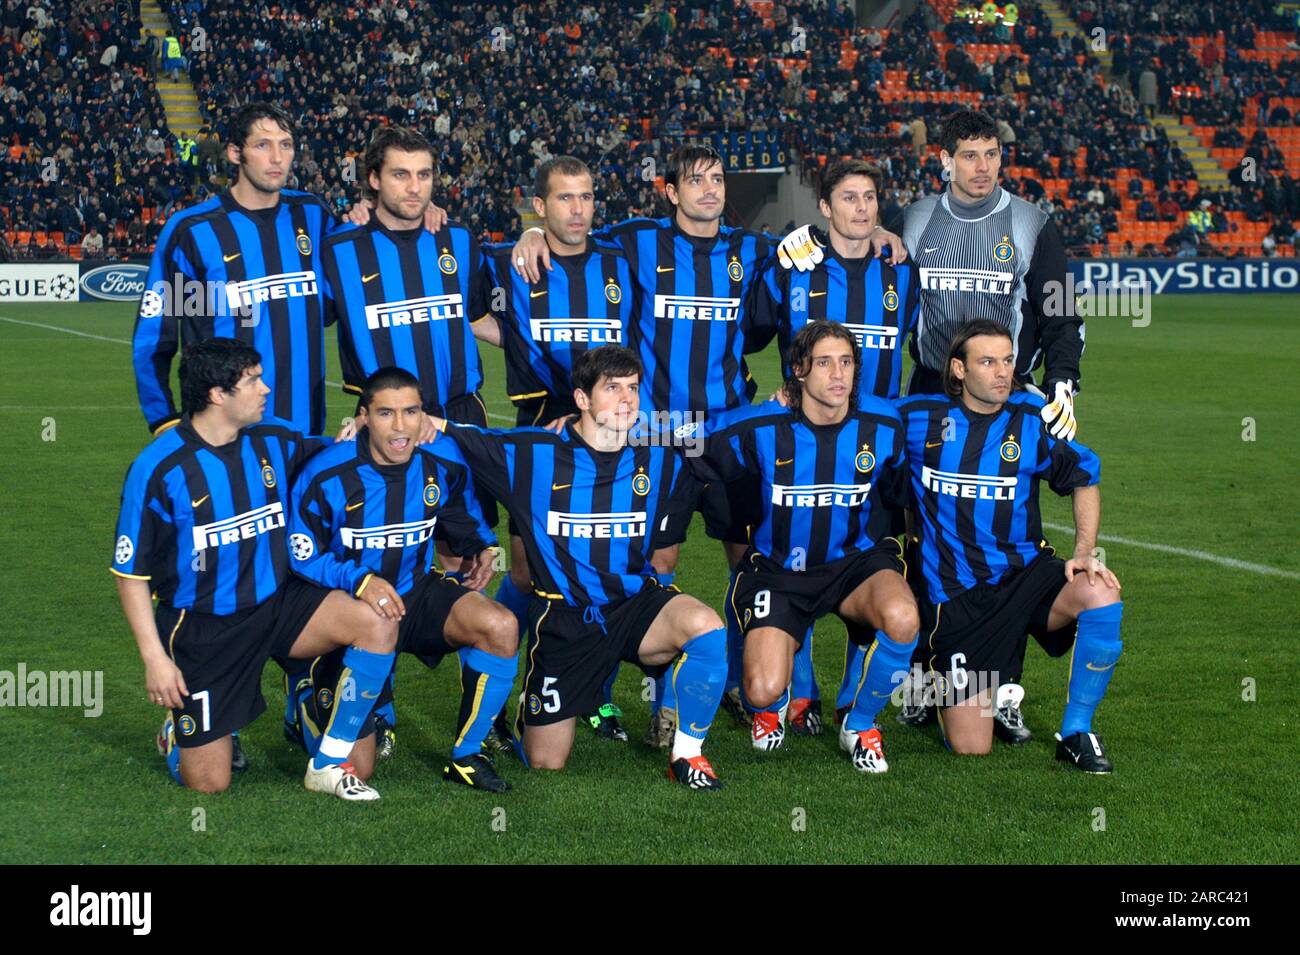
[
  {"x": 831, "y": 467},
  {"x": 363, "y": 520},
  {"x": 202, "y": 523},
  {"x": 589, "y": 506},
  {"x": 977, "y": 454},
  {"x": 876, "y": 301},
  {"x": 586, "y": 300}
]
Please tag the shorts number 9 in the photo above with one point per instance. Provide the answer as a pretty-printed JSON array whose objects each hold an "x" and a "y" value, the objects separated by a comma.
[{"x": 762, "y": 603}]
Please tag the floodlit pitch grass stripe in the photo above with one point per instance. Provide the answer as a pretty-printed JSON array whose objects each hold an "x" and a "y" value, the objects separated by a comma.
[
  {"x": 124, "y": 341},
  {"x": 1232, "y": 562}
]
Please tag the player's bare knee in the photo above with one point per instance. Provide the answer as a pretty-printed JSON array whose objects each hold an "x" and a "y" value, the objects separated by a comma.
[
  {"x": 207, "y": 781},
  {"x": 700, "y": 620},
  {"x": 902, "y": 621},
  {"x": 379, "y": 636},
  {"x": 762, "y": 691},
  {"x": 971, "y": 748},
  {"x": 499, "y": 633}
]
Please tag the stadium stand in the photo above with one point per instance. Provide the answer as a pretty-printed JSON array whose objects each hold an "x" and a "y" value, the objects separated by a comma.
[{"x": 500, "y": 85}]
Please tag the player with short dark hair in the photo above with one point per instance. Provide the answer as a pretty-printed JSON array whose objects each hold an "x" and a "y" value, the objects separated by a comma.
[
  {"x": 202, "y": 524},
  {"x": 587, "y": 300},
  {"x": 830, "y": 463},
  {"x": 364, "y": 517},
  {"x": 875, "y": 300},
  {"x": 977, "y": 456},
  {"x": 591, "y": 505}
]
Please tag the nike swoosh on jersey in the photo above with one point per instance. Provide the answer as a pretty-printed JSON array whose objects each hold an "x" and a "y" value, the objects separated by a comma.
[
  {"x": 928, "y": 251},
  {"x": 194, "y": 503},
  {"x": 780, "y": 463},
  {"x": 560, "y": 487},
  {"x": 660, "y": 268},
  {"x": 231, "y": 258},
  {"x": 815, "y": 294},
  {"x": 933, "y": 444},
  {"x": 353, "y": 507},
  {"x": 367, "y": 278},
  {"x": 537, "y": 294}
]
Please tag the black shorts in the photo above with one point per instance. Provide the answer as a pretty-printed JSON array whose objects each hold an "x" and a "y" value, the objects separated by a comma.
[
  {"x": 768, "y": 595},
  {"x": 469, "y": 409},
  {"x": 221, "y": 657},
  {"x": 569, "y": 658},
  {"x": 985, "y": 628},
  {"x": 729, "y": 510}
]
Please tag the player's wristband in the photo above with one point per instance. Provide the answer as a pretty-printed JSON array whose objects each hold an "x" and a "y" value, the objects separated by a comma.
[{"x": 361, "y": 586}]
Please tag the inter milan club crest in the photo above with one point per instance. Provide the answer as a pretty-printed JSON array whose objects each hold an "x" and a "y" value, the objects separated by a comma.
[
  {"x": 641, "y": 483},
  {"x": 304, "y": 243},
  {"x": 865, "y": 460},
  {"x": 613, "y": 293},
  {"x": 1004, "y": 251},
  {"x": 187, "y": 726},
  {"x": 431, "y": 493},
  {"x": 735, "y": 270},
  {"x": 1010, "y": 451},
  {"x": 268, "y": 474},
  {"x": 447, "y": 262},
  {"x": 890, "y": 300},
  {"x": 325, "y": 697}
]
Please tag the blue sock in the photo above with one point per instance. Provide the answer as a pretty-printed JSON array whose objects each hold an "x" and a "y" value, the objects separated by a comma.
[
  {"x": 735, "y": 639},
  {"x": 884, "y": 668},
  {"x": 666, "y": 579},
  {"x": 852, "y": 672},
  {"x": 662, "y": 689},
  {"x": 387, "y": 711},
  {"x": 485, "y": 680},
  {"x": 782, "y": 702},
  {"x": 514, "y": 600},
  {"x": 607, "y": 690},
  {"x": 457, "y": 576},
  {"x": 665, "y": 695},
  {"x": 173, "y": 755},
  {"x": 294, "y": 671},
  {"x": 697, "y": 680},
  {"x": 1096, "y": 651},
  {"x": 803, "y": 681},
  {"x": 360, "y": 681}
]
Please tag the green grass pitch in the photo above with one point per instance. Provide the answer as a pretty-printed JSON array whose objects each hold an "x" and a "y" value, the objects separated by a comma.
[{"x": 1201, "y": 772}]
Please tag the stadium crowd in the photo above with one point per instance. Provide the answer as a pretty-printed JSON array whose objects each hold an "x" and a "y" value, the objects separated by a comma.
[{"x": 500, "y": 86}]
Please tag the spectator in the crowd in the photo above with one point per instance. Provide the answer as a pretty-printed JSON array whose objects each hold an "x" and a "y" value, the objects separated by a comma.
[{"x": 92, "y": 246}]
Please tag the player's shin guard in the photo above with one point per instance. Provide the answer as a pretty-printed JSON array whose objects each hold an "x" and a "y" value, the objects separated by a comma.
[
  {"x": 697, "y": 680},
  {"x": 883, "y": 669},
  {"x": 1096, "y": 651},
  {"x": 803, "y": 681},
  {"x": 514, "y": 600},
  {"x": 485, "y": 681},
  {"x": 607, "y": 688},
  {"x": 360, "y": 682},
  {"x": 735, "y": 638},
  {"x": 852, "y": 673}
]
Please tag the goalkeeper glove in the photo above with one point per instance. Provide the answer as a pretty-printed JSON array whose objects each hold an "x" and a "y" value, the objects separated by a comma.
[
  {"x": 802, "y": 248},
  {"x": 1058, "y": 413}
]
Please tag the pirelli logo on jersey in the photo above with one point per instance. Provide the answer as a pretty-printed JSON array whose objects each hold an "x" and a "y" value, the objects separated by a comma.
[
  {"x": 978, "y": 487},
  {"x": 697, "y": 308},
  {"x": 409, "y": 534},
  {"x": 624, "y": 526},
  {"x": 243, "y": 295},
  {"x": 878, "y": 337},
  {"x": 820, "y": 495},
  {"x": 414, "y": 311},
  {"x": 966, "y": 280},
  {"x": 597, "y": 331},
  {"x": 240, "y": 527}
]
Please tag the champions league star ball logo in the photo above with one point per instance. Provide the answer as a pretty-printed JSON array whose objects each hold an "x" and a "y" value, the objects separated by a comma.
[
  {"x": 301, "y": 546},
  {"x": 151, "y": 304},
  {"x": 124, "y": 549},
  {"x": 63, "y": 287}
]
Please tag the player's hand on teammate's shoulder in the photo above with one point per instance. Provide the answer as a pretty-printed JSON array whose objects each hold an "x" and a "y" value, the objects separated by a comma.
[
  {"x": 480, "y": 569},
  {"x": 1092, "y": 566},
  {"x": 383, "y": 598},
  {"x": 435, "y": 217},
  {"x": 779, "y": 397},
  {"x": 164, "y": 683},
  {"x": 558, "y": 424},
  {"x": 883, "y": 239},
  {"x": 429, "y": 429},
  {"x": 530, "y": 255},
  {"x": 347, "y": 430}
]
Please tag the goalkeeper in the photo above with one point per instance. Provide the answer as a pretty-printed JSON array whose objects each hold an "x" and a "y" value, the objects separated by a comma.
[{"x": 983, "y": 253}]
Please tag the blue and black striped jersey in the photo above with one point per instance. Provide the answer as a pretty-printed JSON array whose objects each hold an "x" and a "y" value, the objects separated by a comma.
[
  {"x": 694, "y": 312},
  {"x": 975, "y": 484},
  {"x": 583, "y": 302},
  {"x": 206, "y": 525},
  {"x": 876, "y": 300},
  {"x": 407, "y": 299},
  {"x": 827, "y": 490},
  {"x": 219, "y": 269},
  {"x": 589, "y": 519},
  {"x": 352, "y": 517}
]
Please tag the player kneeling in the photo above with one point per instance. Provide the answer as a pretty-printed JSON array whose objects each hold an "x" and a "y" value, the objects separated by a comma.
[
  {"x": 831, "y": 468},
  {"x": 977, "y": 455},
  {"x": 591, "y": 506},
  {"x": 202, "y": 523},
  {"x": 365, "y": 516}
]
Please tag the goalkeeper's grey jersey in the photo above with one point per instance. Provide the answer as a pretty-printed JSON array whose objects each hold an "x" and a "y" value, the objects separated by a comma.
[{"x": 994, "y": 266}]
